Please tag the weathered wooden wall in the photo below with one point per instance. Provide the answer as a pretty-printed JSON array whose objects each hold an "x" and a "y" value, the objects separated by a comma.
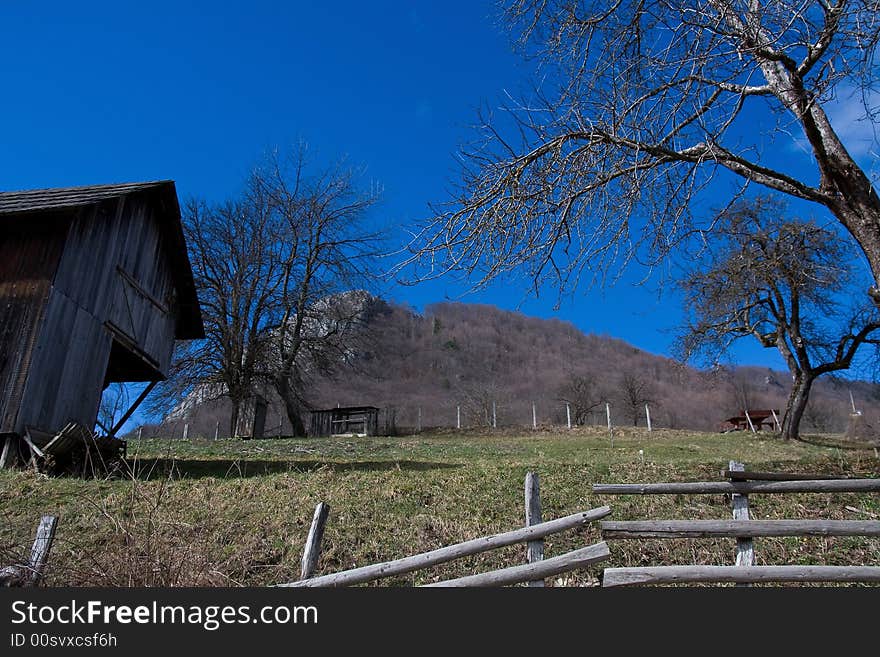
[
  {"x": 113, "y": 282},
  {"x": 30, "y": 250}
]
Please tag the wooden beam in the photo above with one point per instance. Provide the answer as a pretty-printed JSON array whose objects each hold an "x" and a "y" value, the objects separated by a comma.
[
  {"x": 736, "y": 528},
  {"x": 748, "y": 475},
  {"x": 451, "y": 552},
  {"x": 137, "y": 402},
  {"x": 529, "y": 572},
  {"x": 742, "y": 487},
  {"x": 745, "y": 574},
  {"x": 5, "y": 460},
  {"x": 534, "y": 549},
  {"x": 309, "y": 564},
  {"x": 36, "y": 450}
]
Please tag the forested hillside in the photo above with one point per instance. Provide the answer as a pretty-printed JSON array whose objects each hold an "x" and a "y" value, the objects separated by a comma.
[{"x": 424, "y": 366}]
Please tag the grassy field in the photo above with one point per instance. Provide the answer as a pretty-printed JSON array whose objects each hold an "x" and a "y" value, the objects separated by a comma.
[{"x": 237, "y": 513}]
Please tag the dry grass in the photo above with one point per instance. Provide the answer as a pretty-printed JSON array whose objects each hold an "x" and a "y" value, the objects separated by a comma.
[{"x": 237, "y": 513}]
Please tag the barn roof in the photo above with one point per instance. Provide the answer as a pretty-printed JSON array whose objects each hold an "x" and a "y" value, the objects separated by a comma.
[{"x": 189, "y": 321}]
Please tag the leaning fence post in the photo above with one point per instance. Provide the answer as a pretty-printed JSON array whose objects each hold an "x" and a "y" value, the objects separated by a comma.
[
  {"x": 751, "y": 424},
  {"x": 535, "y": 549},
  {"x": 41, "y": 547},
  {"x": 745, "y": 550},
  {"x": 313, "y": 542}
]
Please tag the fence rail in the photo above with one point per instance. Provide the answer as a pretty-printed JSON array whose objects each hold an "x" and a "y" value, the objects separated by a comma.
[
  {"x": 450, "y": 553},
  {"x": 742, "y": 487},
  {"x": 739, "y": 574},
  {"x": 536, "y": 571},
  {"x": 631, "y": 529}
]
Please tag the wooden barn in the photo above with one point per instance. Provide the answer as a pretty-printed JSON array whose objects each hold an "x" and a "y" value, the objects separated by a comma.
[
  {"x": 345, "y": 421},
  {"x": 95, "y": 287}
]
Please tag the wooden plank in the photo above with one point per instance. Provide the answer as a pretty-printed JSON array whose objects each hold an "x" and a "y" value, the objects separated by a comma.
[
  {"x": 632, "y": 529},
  {"x": 529, "y": 572},
  {"x": 751, "y": 425},
  {"x": 5, "y": 454},
  {"x": 36, "y": 450},
  {"x": 42, "y": 546},
  {"x": 313, "y": 541},
  {"x": 750, "y": 475},
  {"x": 742, "y": 487},
  {"x": 534, "y": 549},
  {"x": 137, "y": 402},
  {"x": 745, "y": 546},
  {"x": 451, "y": 552},
  {"x": 746, "y": 574}
]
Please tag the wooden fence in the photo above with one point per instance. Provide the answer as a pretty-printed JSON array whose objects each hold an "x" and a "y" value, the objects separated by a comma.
[
  {"x": 31, "y": 572},
  {"x": 742, "y": 528},
  {"x": 534, "y": 571}
]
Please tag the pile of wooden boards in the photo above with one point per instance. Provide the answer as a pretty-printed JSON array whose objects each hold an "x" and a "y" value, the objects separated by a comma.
[{"x": 74, "y": 449}]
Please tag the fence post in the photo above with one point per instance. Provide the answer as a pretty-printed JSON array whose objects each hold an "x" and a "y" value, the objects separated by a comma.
[
  {"x": 494, "y": 417},
  {"x": 745, "y": 550},
  {"x": 608, "y": 415},
  {"x": 648, "y": 417},
  {"x": 776, "y": 420},
  {"x": 186, "y": 431},
  {"x": 217, "y": 430},
  {"x": 419, "y": 422},
  {"x": 751, "y": 425},
  {"x": 313, "y": 543},
  {"x": 534, "y": 549},
  {"x": 40, "y": 550},
  {"x": 568, "y": 415},
  {"x": 458, "y": 417}
]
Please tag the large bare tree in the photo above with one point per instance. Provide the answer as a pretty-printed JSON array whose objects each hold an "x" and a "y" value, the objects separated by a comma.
[
  {"x": 271, "y": 268},
  {"x": 641, "y": 105},
  {"x": 234, "y": 249},
  {"x": 325, "y": 249},
  {"x": 784, "y": 283}
]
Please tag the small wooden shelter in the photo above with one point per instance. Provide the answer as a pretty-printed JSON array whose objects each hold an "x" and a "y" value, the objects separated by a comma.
[
  {"x": 759, "y": 419},
  {"x": 345, "y": 421},
  {"x": 95, "y": 287}
]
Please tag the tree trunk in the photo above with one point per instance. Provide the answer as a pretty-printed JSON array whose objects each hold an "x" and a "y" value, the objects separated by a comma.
[
  {"x": 291, "y": 405},
  {"x": 794, "y": 409},
  {"x": 233, "y": 417}
]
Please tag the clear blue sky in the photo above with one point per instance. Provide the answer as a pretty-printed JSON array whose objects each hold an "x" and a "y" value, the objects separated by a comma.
[{"x": 99, "y": 92}]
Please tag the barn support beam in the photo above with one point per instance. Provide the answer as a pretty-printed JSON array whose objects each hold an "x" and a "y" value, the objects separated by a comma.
[{"x": 131, "y": 409}]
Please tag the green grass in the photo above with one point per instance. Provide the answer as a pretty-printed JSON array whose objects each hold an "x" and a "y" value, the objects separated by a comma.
[{"x": 237, "y": 512}]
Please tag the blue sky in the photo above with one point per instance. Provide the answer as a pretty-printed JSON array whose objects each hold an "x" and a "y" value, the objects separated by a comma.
[{"x": 99, "y": 92}]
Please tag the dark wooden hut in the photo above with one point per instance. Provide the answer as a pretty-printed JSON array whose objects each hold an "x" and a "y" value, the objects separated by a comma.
[
  {"x": 348, "y": 420},
  {"x": 95, "y": 286}
]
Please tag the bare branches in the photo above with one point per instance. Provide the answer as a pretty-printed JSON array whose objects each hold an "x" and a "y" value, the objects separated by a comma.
[
  {"x": 640, "y": 107},
  {"x": 265, "y": 265}
]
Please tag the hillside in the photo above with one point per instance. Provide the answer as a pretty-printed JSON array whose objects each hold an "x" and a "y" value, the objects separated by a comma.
[{"x": 469, "y": 356}]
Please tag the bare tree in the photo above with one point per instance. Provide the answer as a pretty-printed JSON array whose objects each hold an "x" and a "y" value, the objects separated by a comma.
[
  {"x": 641, "y": 106},
  {"x": 583, "y": 396},
  {"x": 324, "y": 250},
  {"x": 267, "y": 266},
  {"x": 232, "y": 248},
  {"x": 782, "y": 282},
  {"x": 635, "y": 391}
]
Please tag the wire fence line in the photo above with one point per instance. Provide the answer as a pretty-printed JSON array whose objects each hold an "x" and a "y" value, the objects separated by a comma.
[{"x": 414, "y": 419}]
